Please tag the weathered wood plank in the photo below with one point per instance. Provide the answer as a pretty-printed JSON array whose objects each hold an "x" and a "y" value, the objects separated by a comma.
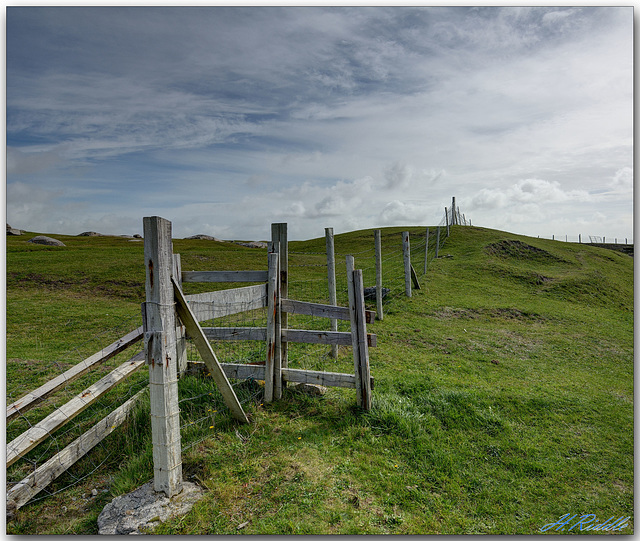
[
  {"x": 39, "y": 479},
  {"x": 235, "y": 333},
  {"x": 273, "y": 318},
  {"x": 42, "y": 430},
  {"x": 245, "y": 371},
  {"x": 322, "y": 337},
  {"x": 215, "y": 304},
  {"x": 321, "y": 310},
  {"x": 362, "y": 373},
  {"x": 161, "y": 356},
  {"x": 281, "y": 245},
  {"x": 181, "y": 333},
  {"x": 328, "y": 379},
  {"x": 331, "y": 281},
  {"x": 414, "y": 278},
  {"x": 34, "y": 397},
  {"x": 225, "y": 276},
  {"x": 208, "y": 356}
]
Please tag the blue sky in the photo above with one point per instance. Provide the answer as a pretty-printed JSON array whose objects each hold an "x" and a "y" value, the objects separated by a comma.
[{"x": 226, "y": 119}]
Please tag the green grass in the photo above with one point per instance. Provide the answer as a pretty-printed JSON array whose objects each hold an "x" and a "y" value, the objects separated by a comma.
[{"x": 503, "y": 391}]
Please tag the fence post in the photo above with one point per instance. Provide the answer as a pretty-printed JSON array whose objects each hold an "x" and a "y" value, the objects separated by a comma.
[
  {"x": 273, "y": 326},
  {"x": 181, "y": 333},
  {"x": 437, "y": 241},
  {"x": 359, "y": 336},
  {"x": 331, "y": 280},
  {"x": 160, "y": 343},
  {"x": 446, "y": 218},
  {"x": 579, "y": 238},
  {"x": 426, "y": 250},
  {"x": 378, "y": 243},
  {"x": 453, "y": 213},
  {"x": 406, "y": 253},
  {"x": 279, "y": 235}
]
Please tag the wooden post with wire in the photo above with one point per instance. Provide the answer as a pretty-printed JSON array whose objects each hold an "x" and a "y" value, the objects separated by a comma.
[
  {"x": 331, "y": 280},
  {"x": 160, "y": 351},
  {"x": 279, "y": 235},
  {"x": 406, "y": 253},
  {"x": 378, "y": 243}
]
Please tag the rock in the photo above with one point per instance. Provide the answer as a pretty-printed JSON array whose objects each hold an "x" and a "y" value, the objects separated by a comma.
[
  {"x": 137, "y": 236},
  {"x": 90, "y": 234},
  {"x": 94, "y": 492},
  {"x": 252, "y": 244},
  {"x": 141, "y": 510},
  {"x": 12, "y": 231},
  {"x": 203, "y": 237},
  {"x": 311, "y": 389},
  {"x": 370, "y": 293},
  {"x": 48, "y": 241}
]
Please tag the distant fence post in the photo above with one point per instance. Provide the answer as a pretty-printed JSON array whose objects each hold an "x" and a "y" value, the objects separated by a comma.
[
  {"x": 359, "y": 336},
  {"x": 446, "y": 219},
  {"x": 160, "y": 344},
  {"x": 453, "y": 213},
  {"x": 378, "y": 243},
  {"x": 579, "y": 238},
  {"x": 331, "y": 280},
  {"x": 279, "y": 235},
  {"x": 406, "y": 252},
  {"x": 437, "y": 241},
  {"x": 426, "y": 250}
]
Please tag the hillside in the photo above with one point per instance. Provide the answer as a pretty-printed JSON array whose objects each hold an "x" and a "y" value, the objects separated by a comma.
[{"x": 503, "y": 391}]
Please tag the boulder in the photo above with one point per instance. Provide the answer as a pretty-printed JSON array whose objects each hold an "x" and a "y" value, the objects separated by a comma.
[
  {"x": 370, "y": 293},
  {"x": 203, "y": 237},
  {"x": 140, "y": 511},
  {"x": 137, "y": 236},
  {"x": 252, "y": 244},
  {"x": 47, "y": 241},
  {"x": 310, "y": 389},
  {"x": 12, "y": 231},
  {"x": 90, "y": 234}
]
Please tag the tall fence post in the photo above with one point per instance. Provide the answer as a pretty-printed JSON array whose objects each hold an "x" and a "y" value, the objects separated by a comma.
[
  {"x": 279, "y": 235},
  {"x": 446, "y": 219},
  {"x": 359, "y": 335},
  {"x": 453, "y": 213},
  {"x": 406, "y": 253},
  {"x": 437, "y": 241},
  {"x": 160, "y": 344},
  {"x": 378, "y": 243},
  {"x": 273, "y": 326},
  {"x": 426, "y": 250},
  {"x": 331, "y": 280},
  {"x": 181, "y": 333}
]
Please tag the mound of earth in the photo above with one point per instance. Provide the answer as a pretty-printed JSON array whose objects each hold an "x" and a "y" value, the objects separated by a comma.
[
  {"x": 520, "y": 250},
  {"x": 47, "y": 241}
]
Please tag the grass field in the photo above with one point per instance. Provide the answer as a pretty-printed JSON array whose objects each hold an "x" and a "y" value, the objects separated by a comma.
[{"x": 503, "y": 393}]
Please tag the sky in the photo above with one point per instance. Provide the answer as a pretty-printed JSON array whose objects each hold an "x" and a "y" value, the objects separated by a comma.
[{"x": 227, "y": 119}]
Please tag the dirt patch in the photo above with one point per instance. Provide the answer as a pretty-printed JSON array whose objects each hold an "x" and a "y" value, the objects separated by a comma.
[
  {"x": 516, "y": 249},
  {"x": 477, "y": 313}
]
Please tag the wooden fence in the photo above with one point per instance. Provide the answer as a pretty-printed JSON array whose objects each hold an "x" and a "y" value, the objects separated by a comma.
[{"x": 164, "y": 348}]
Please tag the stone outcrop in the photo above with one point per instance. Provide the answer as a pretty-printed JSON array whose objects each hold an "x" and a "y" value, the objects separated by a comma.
[
  {"x": 252, "y": 244},
  {"x": 143, "y": 509},
  {"x": 203, "y": 237},
  {"x": 90, "y": 234},
  {"x": 47, "y": 241},
  {"x": 12, "y": 231},
  {"x": 370, "y": 293}
]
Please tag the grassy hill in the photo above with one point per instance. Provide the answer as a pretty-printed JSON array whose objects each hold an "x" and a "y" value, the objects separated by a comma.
[{"x": 503, "y": 391}]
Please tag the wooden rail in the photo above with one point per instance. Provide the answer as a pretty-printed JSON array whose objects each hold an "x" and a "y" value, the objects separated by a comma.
[
  {"x": 224, "y": 276},
  {"x": 34, "y": 397}
]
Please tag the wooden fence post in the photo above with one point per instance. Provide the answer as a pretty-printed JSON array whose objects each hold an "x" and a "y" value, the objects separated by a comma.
[
  {"x": 446, "y": 218},
  {"x": 453, "y": 213},
  {"x": 378, "y": 243},
  {"x": 160, "y": 351},
  {"x": 181, "y": 333},
  {"x": 331, "y": 280},
  {"x": 279, "y": 235},
  {"x": 359, "y": 335},
  {"x": 437, "y": 241},
  {"x": 426, "y": 250},
  {"x": 273, "y": 327},
  {"x": 406, "y": 253}
]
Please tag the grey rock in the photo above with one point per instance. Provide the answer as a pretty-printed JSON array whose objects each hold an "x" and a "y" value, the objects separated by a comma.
[
  {"x": 252, "y": 244},
  {"x": 203, "y": 237},
  {"x": 311, "y": 389},
  {"x": 370, "y": 293},
  {"x": 137, "y": 236},
  {"x": 143, "y": 509},
  {"x": 48, "y": 241},
  {"x": 12, "y": 231},
  {"x": 90, "y": 234}
]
